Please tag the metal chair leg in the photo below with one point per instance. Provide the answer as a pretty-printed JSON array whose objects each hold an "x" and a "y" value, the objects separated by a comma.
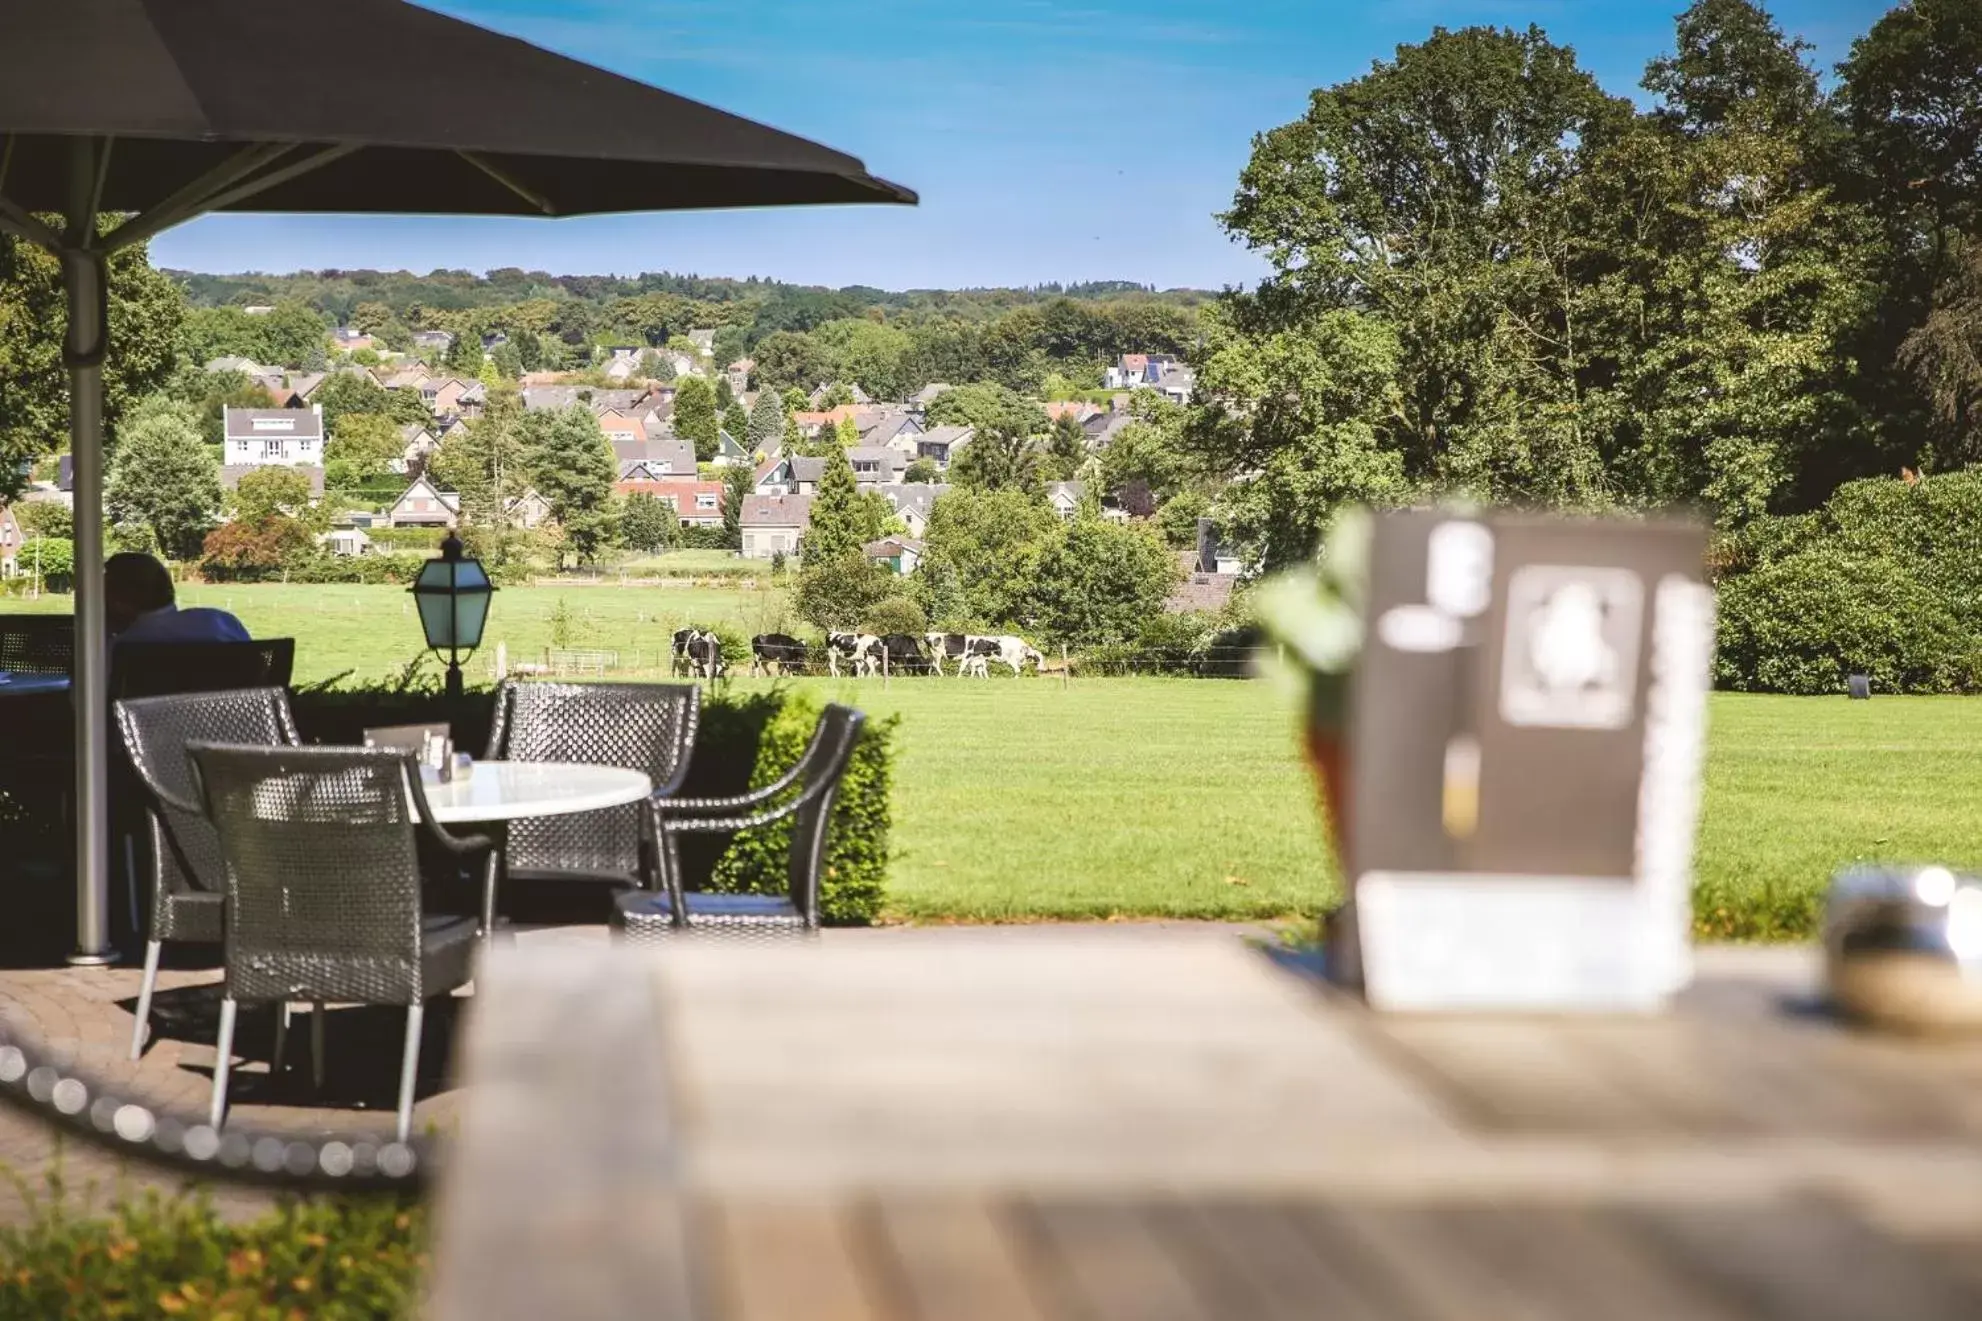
[
  {"x": 316, "y": 1045},
  {"x": 409, "y": 1068},
  {"x": 225, "y": 1056},
  {"x": 281, "y": 1038},
  {"x": 138, "y": 1032}
]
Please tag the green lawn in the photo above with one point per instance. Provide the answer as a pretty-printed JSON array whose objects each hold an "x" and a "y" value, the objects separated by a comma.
[{"x": 1021, "y": 799}]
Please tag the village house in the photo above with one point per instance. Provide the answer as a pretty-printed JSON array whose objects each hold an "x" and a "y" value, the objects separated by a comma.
[
  {"x": 423, "y": 504},
  {"x": 773, "y": 524},
  {"x": 912, "y": 502},
  {"x": 293, "y": 390},
  {"x": 450, "y": 394},
  {"x": 1080, "y": 410},
  {"x": 259, "y": 436},
  {"x": 439, "y": 341},
  {"x": 528, "y": 510},
  {"x": 421, "y": 442},
  {"x": 938, "y": 445},
  {"x": 1103, "y": 427},
  {"x": 1135, "y": 370},
  {"x": 657, "y": 459},
  {"x": 729, "y": 450},
  {"x": 876, "y": 464},
  {"x": 347, "y": 541},
  {"x": 892, "y": 427},
  {"x": 235, "y": 363},
  {"x": 406, "y": 378},
  {"x": 899, "y": 554},
  {"x": 1065, "y": 497},
  {"x": 811, "y": 424},
  {"x": 11, "y": 538},
  {"x": 791, "y": 475},
  {"x": 696, "y": 503},
  {"x": 861, "y": 398},
  {"x": 351, "y": 339},
  {"x": 738, "y": 373},
  {"x": 929, "y": 394},
  {"x": 1177, "y": 385}
]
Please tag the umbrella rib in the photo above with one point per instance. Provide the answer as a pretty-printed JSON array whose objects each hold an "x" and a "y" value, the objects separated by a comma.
[
  {"x": 21, "y": 225},
  {"x": 502, "y": 177},
  {"x": 274, "y": 177},
  {"x": 189, "y": 200}
]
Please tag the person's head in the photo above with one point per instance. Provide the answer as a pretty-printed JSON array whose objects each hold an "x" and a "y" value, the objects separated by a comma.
[{"x": 133, "y": 584}]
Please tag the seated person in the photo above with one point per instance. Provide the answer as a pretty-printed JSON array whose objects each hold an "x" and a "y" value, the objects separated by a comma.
[{"x": 139, "y": 606}]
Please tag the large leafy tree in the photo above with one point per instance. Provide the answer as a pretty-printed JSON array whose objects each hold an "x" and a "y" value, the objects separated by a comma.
[
  {"x": 293, "y": 335},
  {"x": 1098, "y": 582},
  {"x": 362, "y": 448},
  {"x": 840, "y": 523},
  {"x": 146, "y": 309},
  {"x": 274, "y": 490},
  {"x": 1000, "y": 460},
  {"x": 738, "y": 482},
  {"x": 648, "y": 523},
  {"x": 489, "y": 463},
  {"x": 695, "y": 417},
  {"x": 573, "y": 469},
  {"x": 987, "y": 406},
  {"x": 787, "y": 359},
  {"x": 164, "y": 477},
  {"x": 356, "y": 392},
  {"x": 981, "y": 557}
]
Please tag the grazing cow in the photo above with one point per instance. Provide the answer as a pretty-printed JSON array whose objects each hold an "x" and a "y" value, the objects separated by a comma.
[
  {"x": 861, "y": 649},
  {"x": 1010, "y": 650},
  {"x": 947, "y": 646},
  {"x": 702, "y": 650},
  {"x": 903, "y": 653},
  {"x": 779, "y": 649},
  {"x": 682, "y": 637},
  {"x": 977, "y": 665}
]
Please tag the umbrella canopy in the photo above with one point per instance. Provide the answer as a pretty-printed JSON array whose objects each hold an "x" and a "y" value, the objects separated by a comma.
[
  {"x": 165, "y": 109},
  {"x": 445, "y": 117}
]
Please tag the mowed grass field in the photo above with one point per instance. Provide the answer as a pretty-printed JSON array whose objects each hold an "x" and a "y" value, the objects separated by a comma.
[{"x": 1026, "y": 800}]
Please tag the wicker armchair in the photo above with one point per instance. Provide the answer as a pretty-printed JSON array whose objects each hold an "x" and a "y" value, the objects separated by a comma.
[
  {"x": 323, "y": 888},
  {"x": 646, "y": 727},
  {"x": 804, "y": 794},
  {"x": 38, "y": 644},
  {"x": 147, "y": 669},
  {"x": 188, "y": 878}
]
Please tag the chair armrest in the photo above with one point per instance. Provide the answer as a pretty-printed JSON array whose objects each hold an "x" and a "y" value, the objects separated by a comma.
[{"x": 461, "y": 845}]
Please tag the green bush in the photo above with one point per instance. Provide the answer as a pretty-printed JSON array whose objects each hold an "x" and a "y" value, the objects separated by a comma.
[
  {"x": 1800, "y": 624},
  {"x": 896, "y": 614},
  {"x": 160, "y": 1256},
  {"x": 853, "y": 885},
  {"x": 407, "y": 538}
]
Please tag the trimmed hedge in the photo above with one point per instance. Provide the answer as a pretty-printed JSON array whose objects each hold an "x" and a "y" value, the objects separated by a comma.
[
  {"x": 746, "y": 740},
  {"x": 853, "y": 886},
  {"x": 165, "y": 1256}
]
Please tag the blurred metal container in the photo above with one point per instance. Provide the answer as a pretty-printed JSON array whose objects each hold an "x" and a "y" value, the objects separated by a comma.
[{"x": 1903, "y": 947}]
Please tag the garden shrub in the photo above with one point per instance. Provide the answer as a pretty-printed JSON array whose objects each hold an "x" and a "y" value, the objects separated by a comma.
[
  {"x": 1802, "y": 623},
  {"x": 746, "y": 740},
  {"x": 897, "y": 614},
  {"x": 165, "y": 1256},
  {"x": 852, "y": 887}
]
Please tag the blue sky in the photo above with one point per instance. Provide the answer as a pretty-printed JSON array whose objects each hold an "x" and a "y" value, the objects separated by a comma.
[{"x": 1076, "y": 141}]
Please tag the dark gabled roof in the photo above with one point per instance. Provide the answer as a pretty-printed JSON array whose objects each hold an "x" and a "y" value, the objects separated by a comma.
[
  {"x": 273, "y": 423},
  {"x": 775, "y": 511}
]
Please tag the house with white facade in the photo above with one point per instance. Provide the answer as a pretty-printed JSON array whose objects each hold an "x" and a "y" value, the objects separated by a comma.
[
  {"x": 773, "y": 524},
  {"x": 424, "y": 504},
  {"x": 11, "y": 538},
  {"x": 257, "y": 436},
  {"x": 912, "y": 502},
  {"x": 875, "y": 464},
  {"x": 1132, "y": 371},
  {"x": 938, "y": 445}
]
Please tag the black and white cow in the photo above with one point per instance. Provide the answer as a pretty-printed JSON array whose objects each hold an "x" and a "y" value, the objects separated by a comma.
[
  {"x": 701, "y": 649},
  {"x": 902, "y": 653},
  {"x": 1009, "y": 650},
  {"x": 974, "y": 653},
  {"x": 947, "y": 646},
  {"x": 779, "y": 649},
  {"x": 861, "y": 650}
]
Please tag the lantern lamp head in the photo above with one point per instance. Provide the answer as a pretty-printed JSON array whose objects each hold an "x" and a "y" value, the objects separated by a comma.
[{"x": 453, "y": 592}]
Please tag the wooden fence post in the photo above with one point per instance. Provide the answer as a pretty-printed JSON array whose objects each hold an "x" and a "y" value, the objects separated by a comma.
[
  {"x": 884, "y": 669},
  {"x": 1066, "y": 667}
]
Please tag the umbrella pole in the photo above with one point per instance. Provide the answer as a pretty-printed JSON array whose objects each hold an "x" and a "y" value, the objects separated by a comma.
[{"x": 83, "y": 275}]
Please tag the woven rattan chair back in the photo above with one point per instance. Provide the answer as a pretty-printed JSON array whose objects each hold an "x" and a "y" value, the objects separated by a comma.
[
  {"x": 824, "y": 763},
  {"x": 146, "y": 669},
  {"x": 646, "y": 727},
  {"x": 155, "y": 732},
  {"x": 323, "y": 871},
  {"x": 37, "y": 644}
]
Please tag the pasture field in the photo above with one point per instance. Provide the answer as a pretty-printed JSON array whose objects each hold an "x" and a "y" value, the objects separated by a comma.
[{"x": 1146, "y": 797}]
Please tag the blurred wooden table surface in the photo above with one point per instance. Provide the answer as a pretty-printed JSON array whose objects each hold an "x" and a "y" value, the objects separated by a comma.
[{"x": 1124, "y": 1123}]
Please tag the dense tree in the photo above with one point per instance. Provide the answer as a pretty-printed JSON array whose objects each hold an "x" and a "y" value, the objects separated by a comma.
[
  {"x": 253, "y": 550},
  {"x": 572, "y": 467},
  {"x": 988, "y": 407},
  {"x": 840, "y": 592},
  {"x": 738, "y": 482},
  {"x": 508, "y": 360},
  {"x": 981, "y": 556},
  {"x": 146, "y": 309},
  {"x": 1098, "y": 582},
  {"x": 922, "y": 469},
  {"x": 211, "y": 394},
  {"x": 362, "y": 448},
  {"x": 292, "y": 336},
  {"x": 164, "y": 477},
  {"x": 464, "y": 356},
  {"x": 357, "y": 392},
  {"x": 999, "y": 460},
  {"x": 787, "y": 360},
  {"x": 648, "y": 523},
  {"x": 1066, "y": 449},
  {"x": 489, "y": 463},
  {"x": 869, "y": 354},
  {"x": 736, "y": 421},
  {"x": 767, "y": 421},
  {"x": 695, "y": 417},
  {"x": 839, "y": 524},
  {"x": 273, "y": 490}
]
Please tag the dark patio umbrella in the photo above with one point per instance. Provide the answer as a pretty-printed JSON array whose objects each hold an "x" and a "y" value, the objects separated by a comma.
[{"x": 166, "y": 109}]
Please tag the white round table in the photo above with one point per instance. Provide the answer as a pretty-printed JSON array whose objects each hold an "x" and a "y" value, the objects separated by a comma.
[{"x": 508, "y": 790}]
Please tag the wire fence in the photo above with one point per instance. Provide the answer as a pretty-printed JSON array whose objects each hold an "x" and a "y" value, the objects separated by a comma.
[{"x": 819, "y": 661}]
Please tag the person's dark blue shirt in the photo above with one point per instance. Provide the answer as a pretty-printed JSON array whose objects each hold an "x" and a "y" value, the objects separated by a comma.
[{"x": 196, "y": 624}]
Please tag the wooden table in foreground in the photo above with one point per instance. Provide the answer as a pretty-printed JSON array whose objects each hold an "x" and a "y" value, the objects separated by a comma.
[{"x": 1015, "y": 1123}]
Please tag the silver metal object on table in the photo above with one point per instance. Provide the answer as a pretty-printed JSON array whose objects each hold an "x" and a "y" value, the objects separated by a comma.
[{"x": 1903, "y": 946}]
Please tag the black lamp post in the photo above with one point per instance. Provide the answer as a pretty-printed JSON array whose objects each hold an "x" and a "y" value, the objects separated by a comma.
[{"x": 453, "y": 594}]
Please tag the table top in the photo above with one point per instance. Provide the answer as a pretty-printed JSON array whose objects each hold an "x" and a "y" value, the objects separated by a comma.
[
  {"x": 24, "y": 684},
  {"x": 507, "y": 790},
  {"x": 1038, "y": 1123}
]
